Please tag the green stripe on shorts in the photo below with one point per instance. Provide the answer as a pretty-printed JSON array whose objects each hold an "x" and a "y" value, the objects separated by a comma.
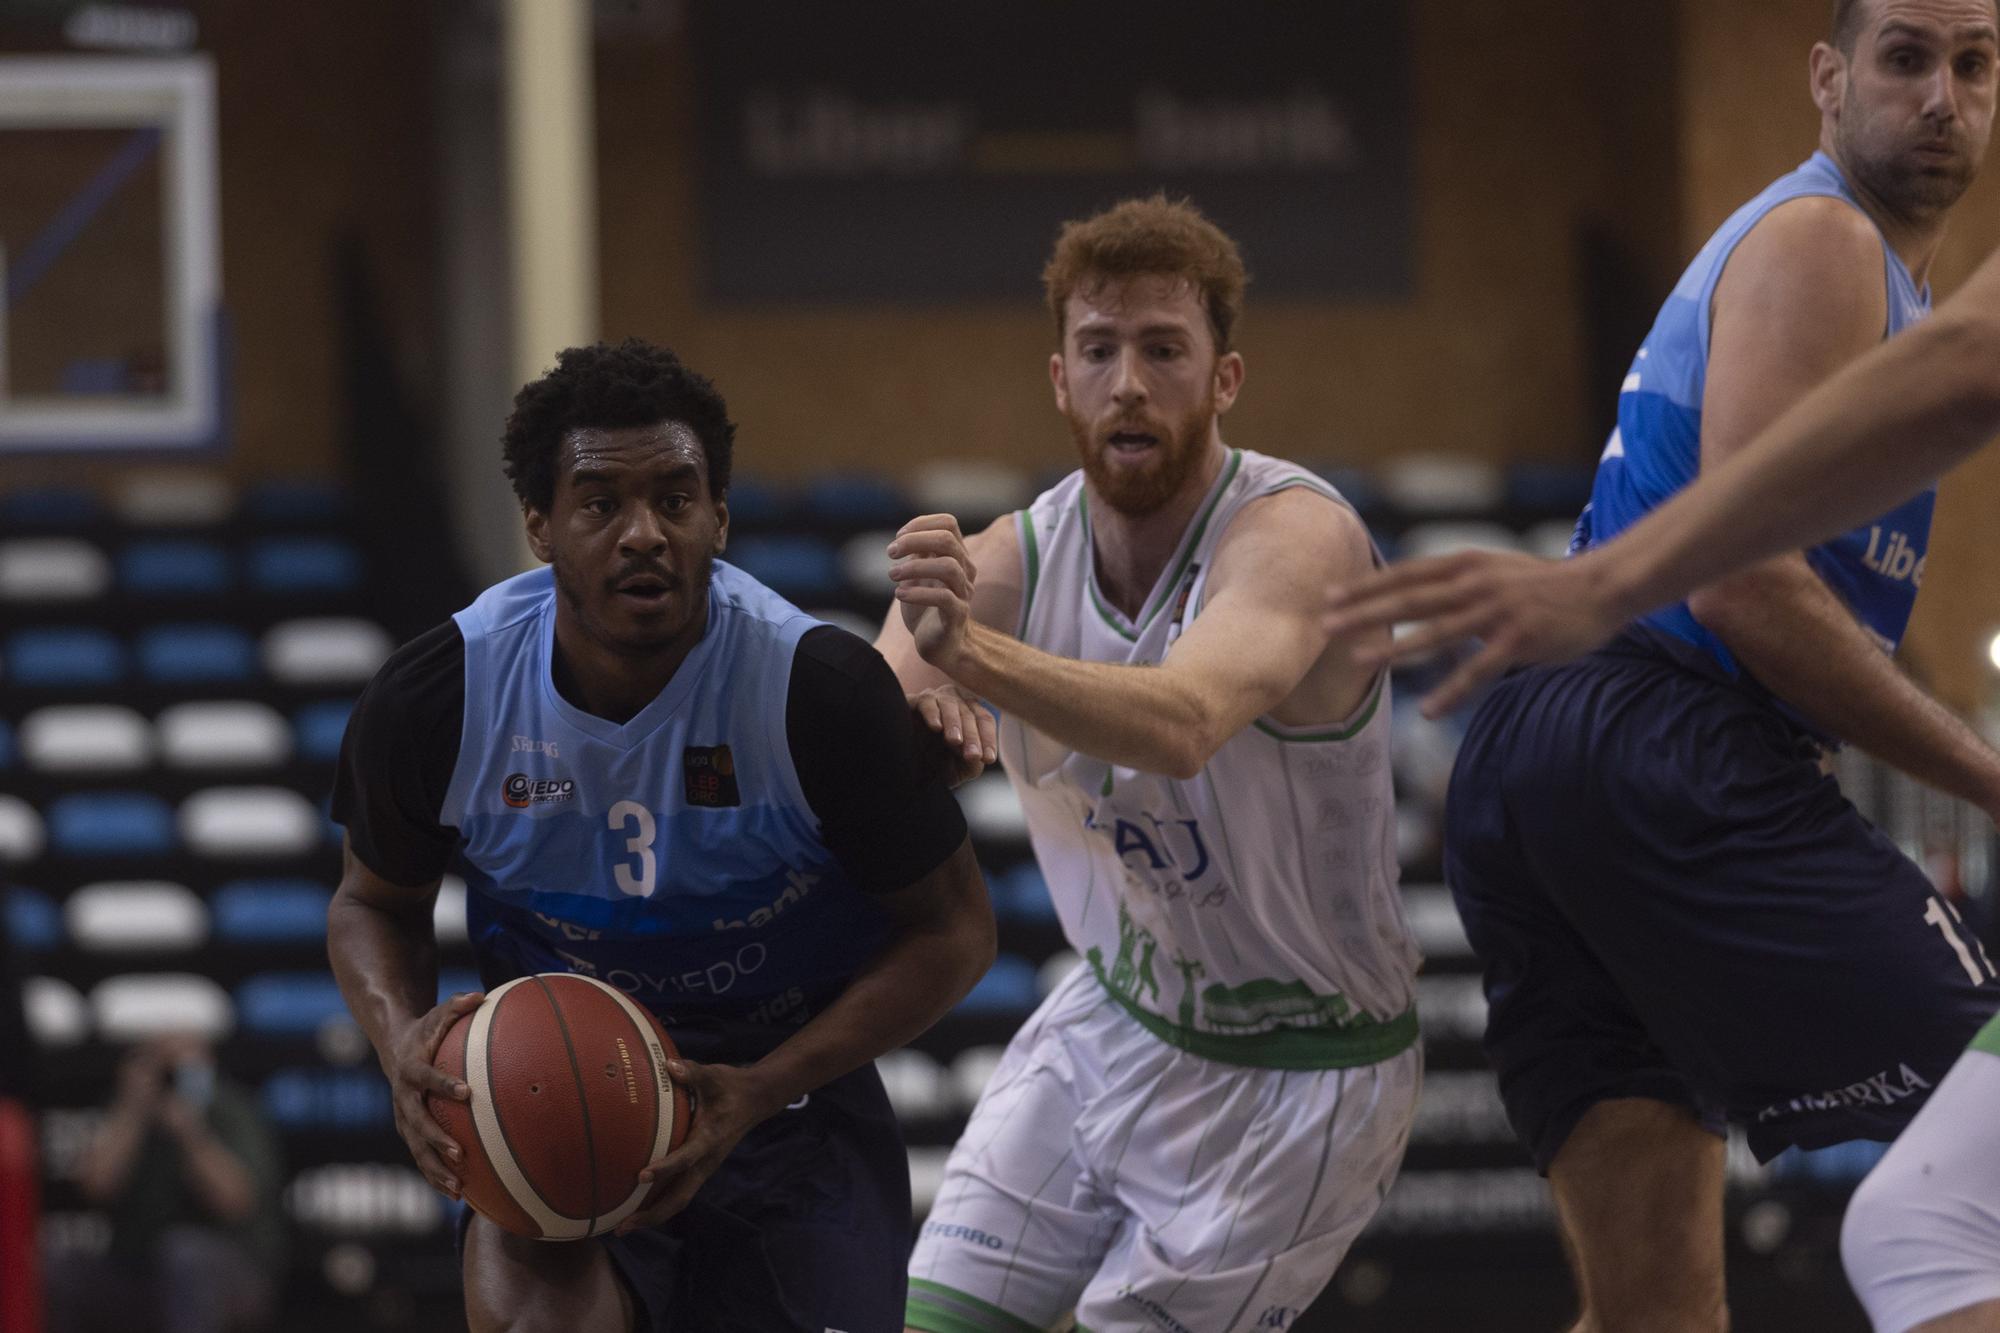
[
  {"x": 936, "y": 1308},
  {"x": 1988, "y": 1039}
]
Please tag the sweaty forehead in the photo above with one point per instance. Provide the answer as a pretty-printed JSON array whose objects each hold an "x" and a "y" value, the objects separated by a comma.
[
  {"x": 1145, "y": 298},
  {"x": 1948, "y": 18},
  {"x": 662, "y": 445}
]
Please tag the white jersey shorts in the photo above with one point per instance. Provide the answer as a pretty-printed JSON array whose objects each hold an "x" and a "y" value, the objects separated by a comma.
[{"x": 1107, "y": 1173}]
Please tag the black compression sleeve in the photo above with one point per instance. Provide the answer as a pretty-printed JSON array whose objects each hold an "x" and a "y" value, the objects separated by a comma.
[
  {"x": 854, "y": 745},
  {"x": 397, "y": 757}
]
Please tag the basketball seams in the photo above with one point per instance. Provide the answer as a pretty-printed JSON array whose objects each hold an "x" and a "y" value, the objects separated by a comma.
[
  {"x": 493, "y": 1139},
  {"x": 582, "y": 1100}
]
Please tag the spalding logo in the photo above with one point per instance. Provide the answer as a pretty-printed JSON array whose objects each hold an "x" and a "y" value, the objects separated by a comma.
[{"x": 521, "y": 791}]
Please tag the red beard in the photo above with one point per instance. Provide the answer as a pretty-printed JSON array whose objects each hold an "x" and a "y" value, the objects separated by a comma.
[{"x": 1138, "y": 490}]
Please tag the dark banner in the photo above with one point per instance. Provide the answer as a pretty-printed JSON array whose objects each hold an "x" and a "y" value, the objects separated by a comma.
[{"x": 927, "y": 150}]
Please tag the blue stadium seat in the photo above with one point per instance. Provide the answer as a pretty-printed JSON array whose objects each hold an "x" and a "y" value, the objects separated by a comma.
[
  {"x": 457, "y": 981},
  {"x": 79, "y": 658},
  {"x": 187, "y": 654},
  {"x": 756, "y": 504},
  {"x": 797, "y": 567},
  {"x": 304, "y": 564},
  {"x": 176, "y": 568},
  {"x": 1357, "y": 486},
  {"x": 110, "y": 823},
  {"x": 6, "y": 745},
  {"x": 320, "y": 727},
  {"x": 269, "y": 911},
  {"x": 298, "y": 500},
  {"x": 1559, "y": 488},
  {"x": 34, "y": 922},
  {"x": 1021, "y": 894},
  {"x": 858, "y": 500},
  {"x": 288, "y": 1004},
  {"x": 1007, "y": 988},
  {"x": 345, "y": 1100},
  {"x": 48, "y": 507}
]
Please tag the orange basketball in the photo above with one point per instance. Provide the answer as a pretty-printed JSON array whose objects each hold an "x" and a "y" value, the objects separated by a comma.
[{"x": 570, "y": 1099}]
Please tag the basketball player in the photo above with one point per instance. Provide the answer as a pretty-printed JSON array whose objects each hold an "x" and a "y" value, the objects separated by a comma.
[
  {"x": 1194, "y": 1126},
  {"x": 1680, "y": 917},
  {"x": 652, "y": 770}
]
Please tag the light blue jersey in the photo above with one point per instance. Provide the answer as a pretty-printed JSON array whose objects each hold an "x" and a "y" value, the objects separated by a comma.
[
  {"x": 1656, "y": 448},
  {"x": 673, "y": 855}
]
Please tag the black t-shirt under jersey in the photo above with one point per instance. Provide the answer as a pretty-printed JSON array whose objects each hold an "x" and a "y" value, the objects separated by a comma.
[{"x": 887, "y": 821}]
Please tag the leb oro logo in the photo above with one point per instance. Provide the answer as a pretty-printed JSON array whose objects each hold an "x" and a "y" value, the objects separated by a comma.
[{"x": 520, "y": 791}]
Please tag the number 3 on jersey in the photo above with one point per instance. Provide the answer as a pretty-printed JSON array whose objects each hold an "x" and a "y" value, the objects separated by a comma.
[{"x": 639, "y": 844}]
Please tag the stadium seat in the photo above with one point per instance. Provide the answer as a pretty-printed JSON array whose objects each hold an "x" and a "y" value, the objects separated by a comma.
[
  {"x": 56, "y": 1012},
  {"x": 180, "y": 567},
  {"x": 1434, "y": 921},
  {"x": 1007, "y": 988},
  {"x": 366, "y": 1198},
  {"x": 73, "y": 738},
  {"x": 971, "y": 1070},
  {"x": 916, "y": 1085},
  {"x": 304, "y": 564},
  {"x": 1549, "y": 540},
  {"x": 288, "y": 1004},
  {"x": 1056, "y": 969},
  {"x": 1357, "y": 486},
  {"x": 196, "y": 654},
  {"x": 7, "y": 747},
  {"x": 295, "y": 500},
  {"x": 857, "y": 500},
  {"x": 448, "y": 912},
  {"x": 145, "y": 1004},
  {"x": 861, "y": 627},
  {"x": 121, "y": 915},
  {"x": 797, "y": 567},
  {"x": 755, "y": 503},
  {"x": 34, "y": 923},
  {"x": 1562, "y": 488},
  {"x": 325, "y": 650},
  {"x": 1424, "y": 540},
  {"x": 110, "y": 823},
  {"x": 1442, "y": 484},
  {"x": 52, "y": 569},
  {"x": 340, "y": 1100},
  {"x": 975, "y": 492},
  {"x": 320, "y": 728},
  {"x": 992, "y": 809},
  {"x": 1021, "y": 894},
  {"x": 249, "y": 821},
  {"x": 46, "y": 508},
  {"x": 65, "y": 658},
  {"x": 22, "y": 834},
  {"x": 926, "y": 1175},
  {"x": 233, "y": 733},
  {"x": 154, "y": 498},
  {"x": 271, "y": 911},
  {"x": 864, "y": 561}
]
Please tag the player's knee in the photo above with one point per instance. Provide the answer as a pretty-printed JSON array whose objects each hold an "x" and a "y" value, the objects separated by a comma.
[{"x": 1906, "y": 1234}]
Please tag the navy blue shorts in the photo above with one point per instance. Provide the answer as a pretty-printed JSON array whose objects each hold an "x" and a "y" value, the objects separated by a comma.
[
  {"x": 1672, "y": 901},
  {"x": 806, "y": 1226}
]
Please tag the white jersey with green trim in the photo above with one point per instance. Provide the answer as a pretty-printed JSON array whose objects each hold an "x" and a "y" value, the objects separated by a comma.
[{"x": 1250, "y": 913}]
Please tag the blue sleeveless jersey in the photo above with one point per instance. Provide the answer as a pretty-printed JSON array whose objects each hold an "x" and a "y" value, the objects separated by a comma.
[
  {"x": 673, "y": 855},
  {"x": 1656, "y": 448}
]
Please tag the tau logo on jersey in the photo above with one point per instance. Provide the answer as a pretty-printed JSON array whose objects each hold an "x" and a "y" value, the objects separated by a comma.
[
  {"x": 520, "y": 791},
  {"x": 710, "y": 772},
  {"x": 1894, "y": 558},
  {"x": 529, "y": 745}
]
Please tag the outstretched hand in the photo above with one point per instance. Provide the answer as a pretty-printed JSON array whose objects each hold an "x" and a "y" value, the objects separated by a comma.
[
  {"x": 1522, "y": 609},
  {"x": 933, "y": 574},
  {"x": 955, "y": 719}
]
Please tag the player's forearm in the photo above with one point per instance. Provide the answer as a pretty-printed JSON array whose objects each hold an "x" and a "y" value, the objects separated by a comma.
[
  {"x": 1866, "y": 440},
  {"x": 926, "y": 968},
  {"x": 386, "y": 965},
  {"x": 1140, "y": 717},
  {"x": 1804, "y": 646}
]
